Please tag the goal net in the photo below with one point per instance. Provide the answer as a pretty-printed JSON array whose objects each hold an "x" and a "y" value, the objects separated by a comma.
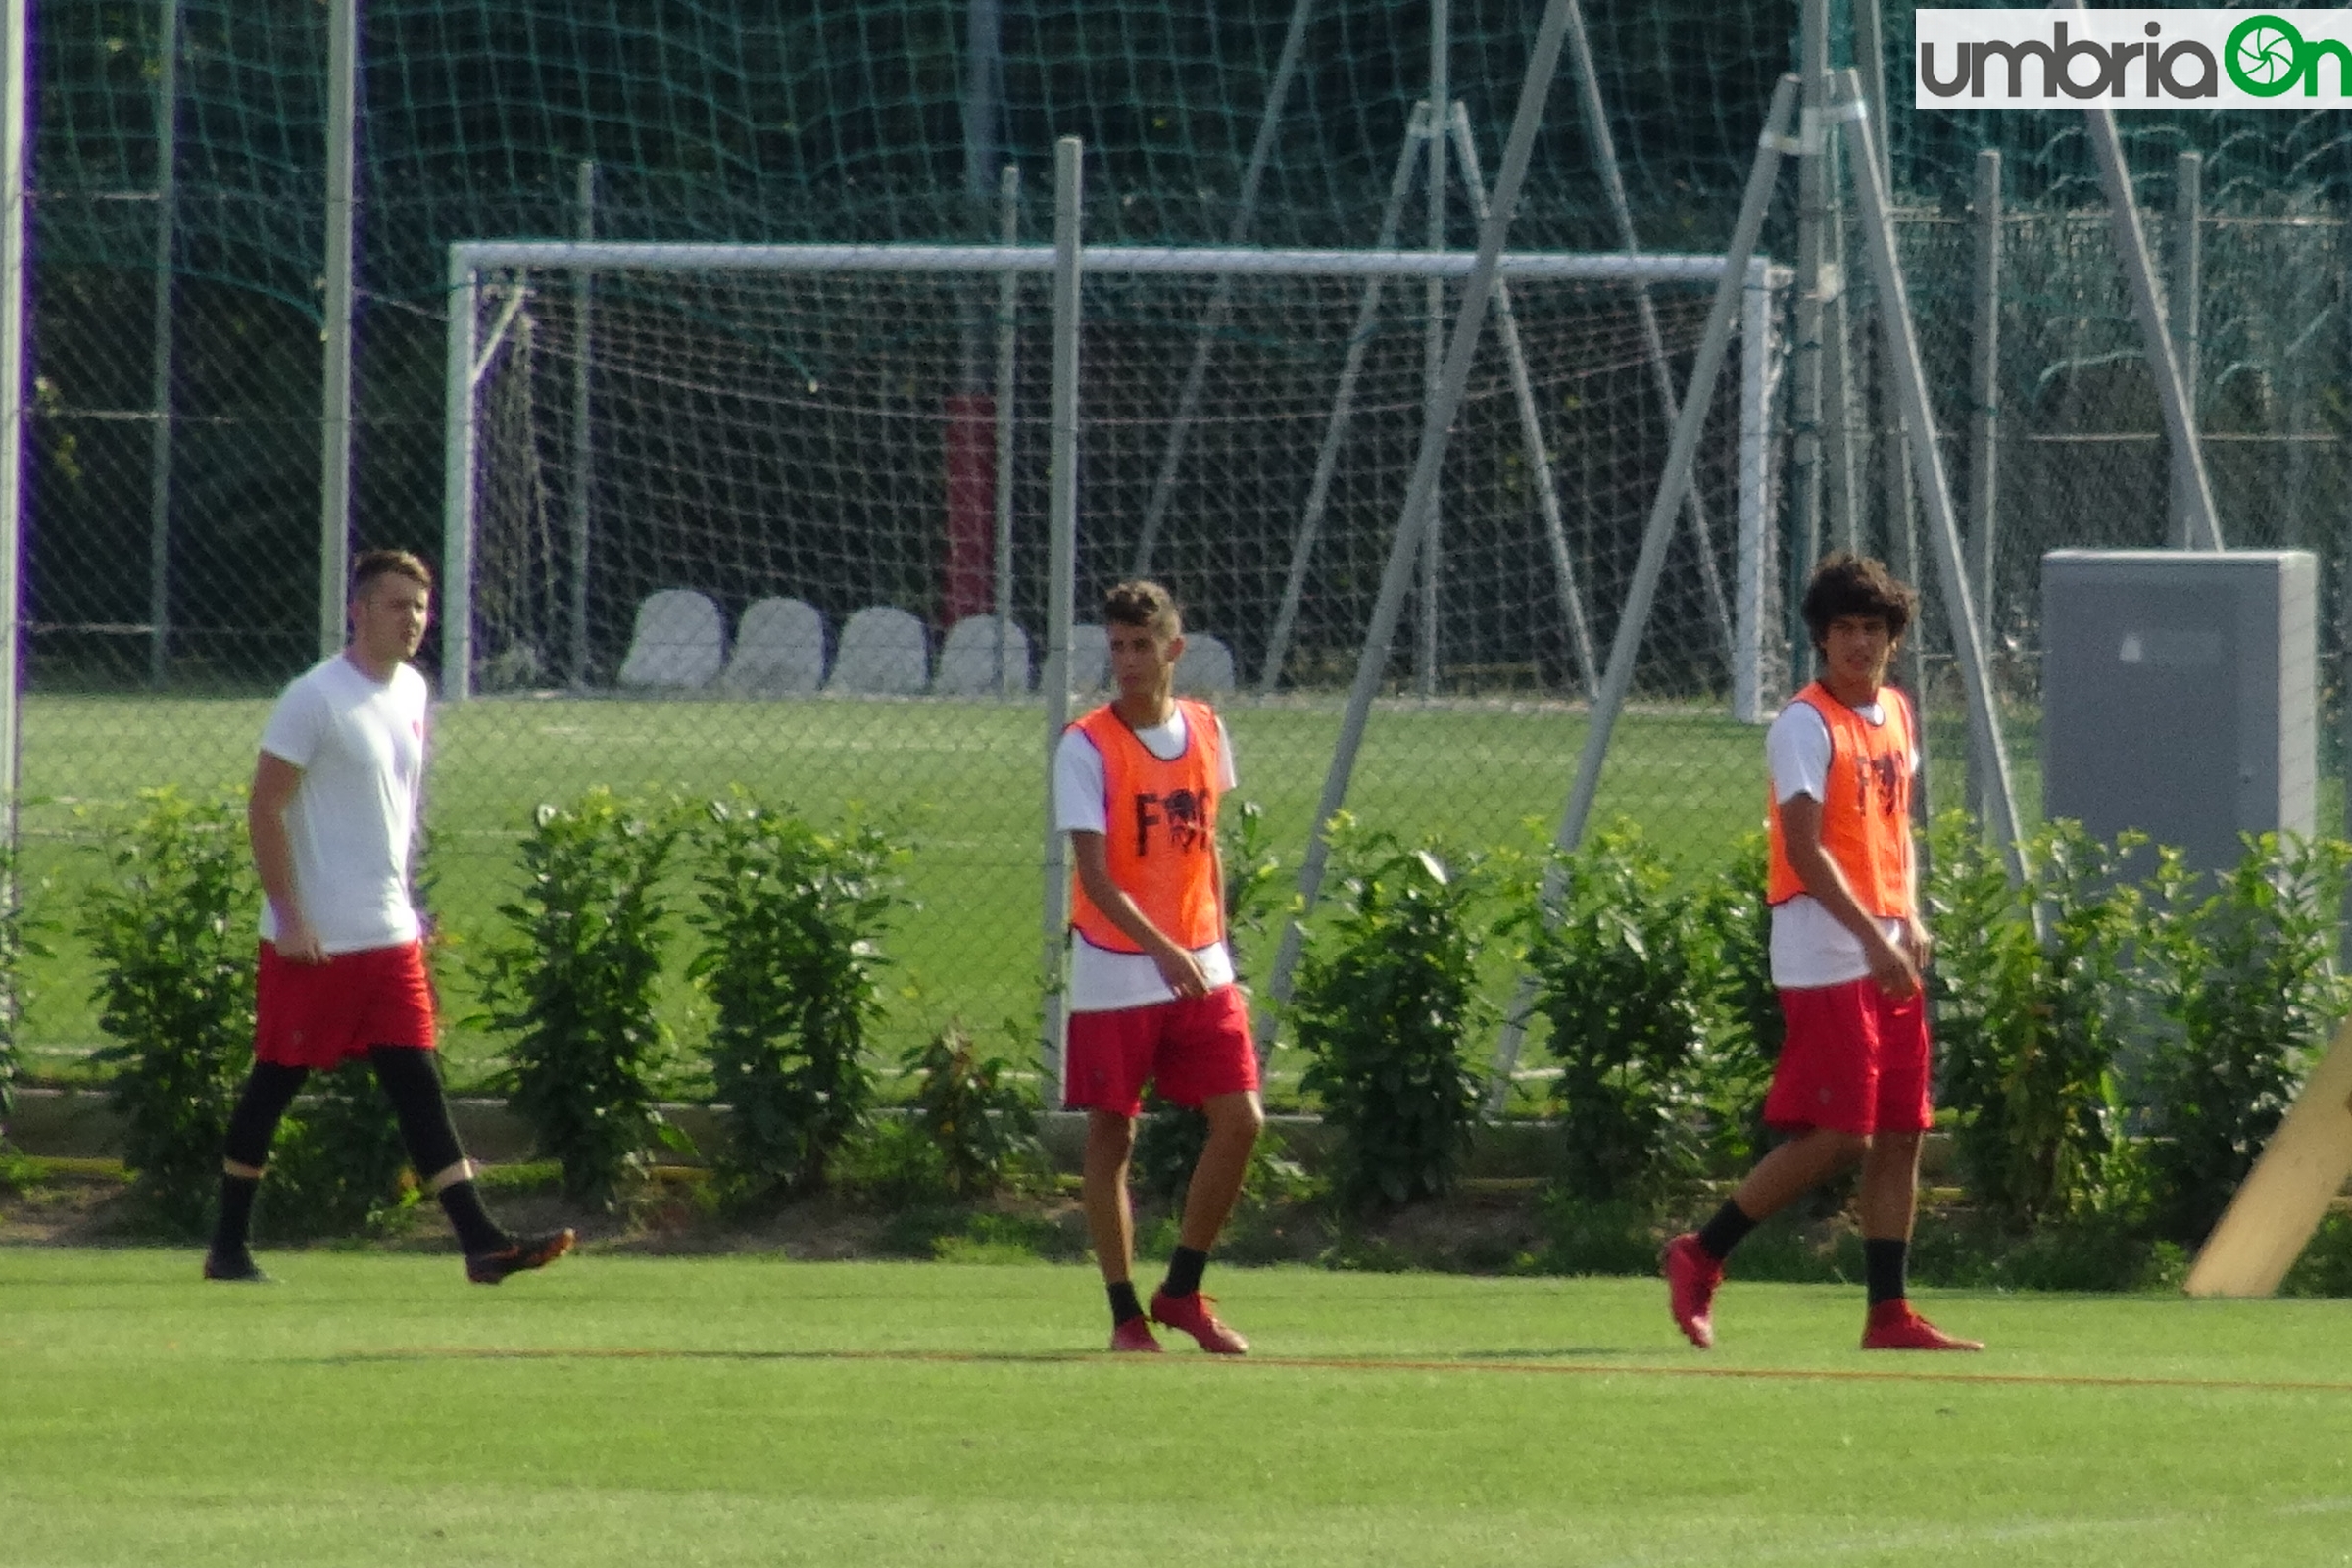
[{"x": 851, "y": 429}]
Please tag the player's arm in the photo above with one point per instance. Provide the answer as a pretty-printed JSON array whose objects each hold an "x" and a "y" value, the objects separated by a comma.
[
  {"x": 1177, "y": 966},
  {"x": 274, "y": 781},
  {"x": 1801, "y": 838}
]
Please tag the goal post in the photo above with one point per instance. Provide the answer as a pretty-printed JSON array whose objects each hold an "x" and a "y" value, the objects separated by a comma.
[{"x": 725, "y": 326}]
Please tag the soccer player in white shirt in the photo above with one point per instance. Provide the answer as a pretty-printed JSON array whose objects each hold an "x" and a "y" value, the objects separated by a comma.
[{"x": 342, "y": 974}]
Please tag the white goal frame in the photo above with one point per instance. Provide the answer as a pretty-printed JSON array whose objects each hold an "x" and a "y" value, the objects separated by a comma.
[{"x": 475, "y": 265}]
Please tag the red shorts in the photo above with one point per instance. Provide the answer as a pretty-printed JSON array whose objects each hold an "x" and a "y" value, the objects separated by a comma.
[
  {"x": 1193, "y": 1050},
  {"x": 317, "y": 1014},
  {"x": 1855, "y": 1061}
]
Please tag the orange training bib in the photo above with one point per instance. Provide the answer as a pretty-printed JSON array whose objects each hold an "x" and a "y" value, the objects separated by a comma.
[
  {"x": 1866, "y": 823},
  {"x": 1162, "y": 821}
]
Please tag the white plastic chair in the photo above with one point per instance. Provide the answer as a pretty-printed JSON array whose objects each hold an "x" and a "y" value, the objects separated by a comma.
[
  {"x": 1090, "y": 658},
  {"x": 678, "y": 643},
  {"x": 967, "y": 659},
  {"x": 883, "y": 651},
  {"x": 1207, "y": 667},
  {"x": 780, "y": 650}
]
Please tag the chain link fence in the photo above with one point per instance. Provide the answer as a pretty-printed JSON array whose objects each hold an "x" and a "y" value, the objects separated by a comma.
[{"x": 829, "y": 448}]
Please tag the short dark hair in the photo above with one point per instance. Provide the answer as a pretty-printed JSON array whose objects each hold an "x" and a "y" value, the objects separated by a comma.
[
  {"x": 1847, "y": 584},
  {"x": 1141, "y": 603},
  {"x": 375, "y": 563}
]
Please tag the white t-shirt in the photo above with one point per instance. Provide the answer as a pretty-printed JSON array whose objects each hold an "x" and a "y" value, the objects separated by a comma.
[
  {"x": 1809, "y": 947},
  {"x": 360, "y": 744},
  {"x": 1100, "y": 980}
]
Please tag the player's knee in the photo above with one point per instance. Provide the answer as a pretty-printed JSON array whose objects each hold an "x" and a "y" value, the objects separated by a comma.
[
  {"x": 1236, "y": 1117},
  {"x": 1109, "y": 1134},
  {"x": 1850, "y": 1148}
]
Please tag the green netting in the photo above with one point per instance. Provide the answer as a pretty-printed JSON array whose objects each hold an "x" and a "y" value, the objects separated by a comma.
[{"x": 857, "y": 119}]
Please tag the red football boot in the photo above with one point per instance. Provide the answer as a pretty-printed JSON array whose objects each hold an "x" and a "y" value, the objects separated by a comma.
[
  {"x": 1690, "y": 1280},
  {"x": 1192, "y": 1314},
  {"x": 1134, "y": 1335},
  {"x": 1893, "y": 1326}
]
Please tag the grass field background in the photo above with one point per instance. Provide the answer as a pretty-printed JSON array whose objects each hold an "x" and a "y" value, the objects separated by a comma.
[
  {"x": 963, "y": 782},
  {"x": 375, "y": 1410}
]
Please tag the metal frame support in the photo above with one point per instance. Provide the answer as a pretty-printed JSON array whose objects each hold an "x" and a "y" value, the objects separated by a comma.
[
  {"x": 1008, "y": 306},
  {"x": 1219, "y": 313},
  {"x": 16, "y": 137},
  {"x": 2182, "y": 300},
  {"x": 1061, "y": 483},
  {"x": 2204, "y": 531},
  {"x": 1412, "y": 522},
  {"x": 1342, "y": 409},
  {"x": 1634, "y": 620},
  {"x": 1927, "y": 466},
  {"x": 335, "y": 420},
  {"x": 1531, "y": 425},
  {"x": 583, "y": 426},
  {"x": 1984, "y": 427},
  {"x": 160, "y": 434},
  {"x": 456, "y": 480}
]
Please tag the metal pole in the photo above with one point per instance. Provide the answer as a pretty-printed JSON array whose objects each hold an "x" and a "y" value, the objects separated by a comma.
[
  {"x": 1870, "y": 56},
  {"x": 1612, "y": 179},
  {"x": 2188, "y": 254},
  {"x": 16, "y": 62},
  {"x": 1617, "y": 682},
  {"x": 583, "y": 427},
  {"x": 1061, "y": 576},
  {"x": 1756, "y": 536},
  {"x": 1433, "y": 337},
  {"x": 2139, "y": 275},
  {"x": 1421, "y": 493},
  {"x": 159, "y": 461},
  {"x": 1008, "y": 304},
  {"x": 456, "y": 482},
  {"x": 1219, "y": 312},
  {"x": 1984, "y": 427},
  {"x": 1805, "y": 401},
  {"x": 1926, "y": 459},
  {"x": 1531, "y": 426},
  {"x": 335, "y": 420},
  {"x": 1343, "y": 409},
  {"x": 1839, "y": 394}
]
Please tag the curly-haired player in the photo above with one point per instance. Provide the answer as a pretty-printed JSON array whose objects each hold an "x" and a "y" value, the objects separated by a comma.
[{"x": 1847, "y": 948}]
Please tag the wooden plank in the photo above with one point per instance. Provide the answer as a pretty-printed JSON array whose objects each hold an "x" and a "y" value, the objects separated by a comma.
[{"x": 2286, "y": 1195}]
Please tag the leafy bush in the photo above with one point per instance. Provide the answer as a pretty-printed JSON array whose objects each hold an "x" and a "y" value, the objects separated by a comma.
[
  {"x": 791, "y": 921},
  {"x": 1624, "y": 966},
  {"x": 1386, "y": 1004},
  {"x": 335, "y": 1167},
  {"x": 1748, "y": 1025},
  {"x": 2246, "y": 975},
  {"x": 574, "y": 983},
  {"x": 1253, "y": 881},
  {"x": 982, "y": 1122},
  {"x": 18, "y": 942},
  {"x": 172, "y": 928},
  {"x": 2029, "y": 1028}
]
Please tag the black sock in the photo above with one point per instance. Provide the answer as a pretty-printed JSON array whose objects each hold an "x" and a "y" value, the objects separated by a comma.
[
  {"x": 1884, "y": 1265},
  {"x": 1184, "y": 1271},
  {"x": 237, "y": 1213},
  {"x": 1124, "y": 1307},
  {"x": 1726, "y": 1230},
  {"x": 476, "y": 1230}
]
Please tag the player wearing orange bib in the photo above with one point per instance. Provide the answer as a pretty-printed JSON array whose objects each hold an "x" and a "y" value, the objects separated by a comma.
[
  {"x": 1847, "y": 948},
  {"x": 1151, "y": 993}
]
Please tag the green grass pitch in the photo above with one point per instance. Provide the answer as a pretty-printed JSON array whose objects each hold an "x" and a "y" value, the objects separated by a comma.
[
  {"x": 374, "y": 1410},
  {"x": 963, "y": 781}
]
